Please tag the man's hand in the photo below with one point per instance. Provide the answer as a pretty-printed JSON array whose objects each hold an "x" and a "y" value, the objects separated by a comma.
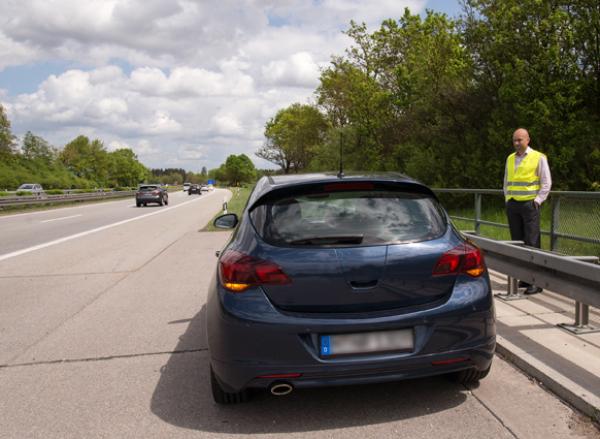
[{"x": 536, "y": 205}]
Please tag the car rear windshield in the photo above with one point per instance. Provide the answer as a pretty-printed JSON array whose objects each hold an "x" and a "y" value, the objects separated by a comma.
[
  {"x": 26, "y": 186},
  {"x": 349, "y": 218},
  {"x": 148, "y": 188}
]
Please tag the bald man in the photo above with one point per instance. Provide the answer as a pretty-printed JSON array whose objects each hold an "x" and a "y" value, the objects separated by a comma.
[{"x": 527, "y": 183}]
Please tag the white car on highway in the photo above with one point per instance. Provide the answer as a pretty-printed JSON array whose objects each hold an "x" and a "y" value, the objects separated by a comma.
[{"x": 33, "y": 188}]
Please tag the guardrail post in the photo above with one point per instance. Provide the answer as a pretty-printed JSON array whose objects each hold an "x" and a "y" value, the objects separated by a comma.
[
  {"x": 477, "y": 213},
  {"x": 582, "y": 310},
  {"x": 554, "y": 223},
  {"x": 512, "y": 290},
  {"x": 582, "y": 321}
]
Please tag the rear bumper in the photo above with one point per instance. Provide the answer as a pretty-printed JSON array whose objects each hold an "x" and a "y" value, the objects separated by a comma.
[
  {"x": 148, "y": 198},
  {"x": 236, "y": 376},
  {"x": 248, "y": 337}
]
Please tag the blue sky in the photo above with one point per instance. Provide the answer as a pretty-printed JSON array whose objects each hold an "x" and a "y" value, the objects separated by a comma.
[{"x": 182, "y": 83}]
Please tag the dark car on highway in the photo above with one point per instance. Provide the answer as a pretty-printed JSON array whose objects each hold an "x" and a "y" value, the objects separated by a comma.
[
  {"x": 336, "y": 281},
  {"x": 151, "y": 193},
  {"x": 194, "y": 189}
]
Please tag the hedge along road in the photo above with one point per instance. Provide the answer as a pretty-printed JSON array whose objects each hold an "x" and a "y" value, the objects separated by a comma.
[{"x": 102, "y": 335}]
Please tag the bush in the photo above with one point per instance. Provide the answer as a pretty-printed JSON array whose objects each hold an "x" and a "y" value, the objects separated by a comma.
[
  {"x": 24, "y": 194},
  {"x": 54, "y": 192},
  {"x": 4, "y": 194}
]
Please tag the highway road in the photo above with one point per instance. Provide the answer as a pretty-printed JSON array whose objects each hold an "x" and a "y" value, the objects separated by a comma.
[{"x": 102, "y": 335}]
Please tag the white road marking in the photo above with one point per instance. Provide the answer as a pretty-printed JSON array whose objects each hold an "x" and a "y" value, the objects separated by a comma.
[
  {"x": 89, "y": 232},
  {"x": 60, "y": 219}
]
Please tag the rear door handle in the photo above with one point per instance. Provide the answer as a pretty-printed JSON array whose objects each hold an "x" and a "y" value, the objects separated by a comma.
[{"x": 367, "y": 284}]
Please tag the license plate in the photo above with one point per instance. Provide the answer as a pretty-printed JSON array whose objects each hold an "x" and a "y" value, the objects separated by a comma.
[{"x": 367, "y": 342}]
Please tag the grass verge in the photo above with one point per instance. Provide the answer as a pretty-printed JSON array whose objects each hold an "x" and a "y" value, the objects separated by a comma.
[{"x": 235, "y": 205}]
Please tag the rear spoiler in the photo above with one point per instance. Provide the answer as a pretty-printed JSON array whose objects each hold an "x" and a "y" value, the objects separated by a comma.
[{"x": 325, "y": 186}]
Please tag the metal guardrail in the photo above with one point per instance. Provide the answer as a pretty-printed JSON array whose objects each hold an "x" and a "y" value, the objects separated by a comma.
[
  {"x": 63, "y": 198},
  {"x": 555, "y": 202},
  {"x": 575, "y": 277},
  {"x": 69, "y": 195}
]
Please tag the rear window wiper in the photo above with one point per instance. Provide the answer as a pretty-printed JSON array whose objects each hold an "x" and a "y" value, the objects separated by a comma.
[{"x": 329, "y": 240}]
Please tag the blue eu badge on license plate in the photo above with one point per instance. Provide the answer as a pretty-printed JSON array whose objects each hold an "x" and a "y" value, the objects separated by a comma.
[{"x": 325, "y": 345}]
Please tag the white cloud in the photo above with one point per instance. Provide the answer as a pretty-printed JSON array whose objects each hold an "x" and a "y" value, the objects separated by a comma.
[
  {"x": 13, "y": 53},
  {"x": 191, "y": 153},
  {"x": 197, "y": 79},
  {"x": 297, "y": 70}
]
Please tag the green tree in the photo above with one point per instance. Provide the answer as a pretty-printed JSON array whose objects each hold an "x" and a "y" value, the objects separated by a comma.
[
  {"x": 125, "y": 169},
  {"x": 538, "y": 62},
  {"x": 239, "y": 169},
  {"x": 36, "y": 148},
  {"x": 292, "y": 135},
  {"x": 7, "y": 139},
  {"x": 395, "y": 98},
  {"x": 87, "y": 160}
]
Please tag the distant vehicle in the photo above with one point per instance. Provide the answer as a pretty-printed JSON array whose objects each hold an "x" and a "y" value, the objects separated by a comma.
[
  {"x": 194, "y": 189},
  {"x": 204, "y": 188},
  {"x": 151, "y": 193},
  {"x": 186, "y": 186},
  {"x": 34, "y": 188},
  {"x": 354, "y": 280},
  {"x": 211, "y": 187}
]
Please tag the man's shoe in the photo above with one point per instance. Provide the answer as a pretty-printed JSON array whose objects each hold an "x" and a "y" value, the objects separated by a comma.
[
  {"x": 523, "y": 284},
  {"x": 532, "y": 289}
]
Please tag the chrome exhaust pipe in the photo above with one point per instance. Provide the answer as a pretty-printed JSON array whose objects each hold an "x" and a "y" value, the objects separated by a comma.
[{"x": 281, "y": 389}]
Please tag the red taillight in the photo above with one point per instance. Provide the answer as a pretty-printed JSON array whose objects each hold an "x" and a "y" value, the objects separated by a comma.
[
  {"x": 155, "y": 192},
  {"x": 449, "y": 361},
  {"x": 238, "y": 272},
  {"x": 281, "y": 375},
  {"x": 464, "y": 258}
]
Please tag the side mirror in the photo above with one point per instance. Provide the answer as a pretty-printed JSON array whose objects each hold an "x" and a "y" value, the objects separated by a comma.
[{"x": 227, "y": 221}]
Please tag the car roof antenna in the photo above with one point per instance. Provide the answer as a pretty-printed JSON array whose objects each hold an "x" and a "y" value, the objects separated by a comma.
[{"x": 341, "y": 173}]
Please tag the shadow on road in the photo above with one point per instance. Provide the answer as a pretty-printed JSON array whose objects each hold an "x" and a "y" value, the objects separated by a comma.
[{"x": 182, "y": 397}]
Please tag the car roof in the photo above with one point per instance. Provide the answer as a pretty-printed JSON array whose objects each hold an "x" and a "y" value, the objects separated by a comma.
[{"x": 270, "y": 183}]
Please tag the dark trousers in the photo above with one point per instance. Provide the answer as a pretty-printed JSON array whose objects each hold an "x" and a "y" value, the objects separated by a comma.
[{"x": 524, "y": 222}]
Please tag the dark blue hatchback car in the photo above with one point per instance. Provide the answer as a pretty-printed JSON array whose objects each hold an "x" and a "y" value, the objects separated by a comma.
[{"x": 352, "y": 280}]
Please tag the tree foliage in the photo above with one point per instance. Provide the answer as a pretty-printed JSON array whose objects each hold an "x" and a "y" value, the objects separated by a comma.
[
  {"x": 292, "y": 136},
  {"x": 237, "y": 170},
  {"x": 80, "y": 164},
  {"x": 438, "y": 98},
  {"x": 7, "y": 139}
]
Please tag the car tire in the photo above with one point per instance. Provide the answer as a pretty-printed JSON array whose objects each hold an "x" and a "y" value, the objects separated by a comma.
[
  {"x": 145, "y": 204},
  {"x": 166, "y": 201},
  {"x": 138, "y": 204},
  {"x": 469, "y": 376},
  {"x": 221, "y": 396}
]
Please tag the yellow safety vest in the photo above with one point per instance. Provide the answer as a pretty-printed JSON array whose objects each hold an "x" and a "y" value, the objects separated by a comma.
[{"x": 523, "y": 184}]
